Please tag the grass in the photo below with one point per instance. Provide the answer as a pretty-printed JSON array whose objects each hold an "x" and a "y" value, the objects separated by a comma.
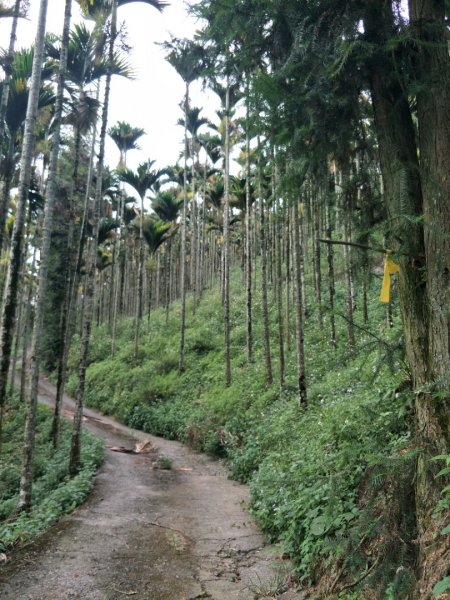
[
  {"x": 54, "y": 493},
  {"x": 320, "y": 478}
]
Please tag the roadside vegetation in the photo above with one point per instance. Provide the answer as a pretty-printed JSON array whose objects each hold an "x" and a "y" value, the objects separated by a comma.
[
  {"x": 334, "y": 484},
  {"x": 234, "y": 296},
  {"x": 54, "y": 493}
]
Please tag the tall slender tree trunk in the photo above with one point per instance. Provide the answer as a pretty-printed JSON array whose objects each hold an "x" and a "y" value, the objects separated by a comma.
[
  {"x": 299, "y": 325},
  {"x": 7, "y": 68},
  {"x": 316, "y": 209},
  {"x": 30, "y": 422},
  {"x": 265, "y": 308},
  {"x": 181, "y": 364},
  {"x": 140, "y": 282},
  {"x": 279, "y": 291},
  {"x": 68, "y": 323},
  {"x": 331, "y": 283},
  {"x": 348, "y": 206},
  {"x": 8, "y": 165},
  {"x": 12, "y": 277},
  {"x": 89, "y": 291},
  {"x": 288, "y": 228},
  {"x": 194, "y": 226},
  {"x": 247, "y": 243},
  {"x": 226, "y": 241}
]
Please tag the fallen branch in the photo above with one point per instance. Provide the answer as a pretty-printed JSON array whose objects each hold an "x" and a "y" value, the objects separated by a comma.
[
  {"x": 140, "y": 448},
  {"x": 124, "y": 593},
  {"x": 361, "y": 328},
  {"x": 354, "y": 245}
]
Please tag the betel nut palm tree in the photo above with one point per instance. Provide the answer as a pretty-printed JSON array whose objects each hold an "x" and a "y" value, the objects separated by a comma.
[
  {"x": 9, "y": 306},
  {"x": 27, "y": 466},
  {"x": 125, "y": 137},
  {"x": 145, "y": 179},
  {"x": 8, "y": 59},
  {"x": 90, "y": 8},
  {"x": 188, "y": 59}
]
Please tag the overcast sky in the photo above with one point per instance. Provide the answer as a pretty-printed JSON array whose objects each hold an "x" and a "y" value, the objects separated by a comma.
[{"x": 151, "y": 100}]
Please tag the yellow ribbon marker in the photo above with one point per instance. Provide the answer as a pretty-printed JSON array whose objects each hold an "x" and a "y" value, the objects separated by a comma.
[
  {"x": 301, "y": 209},
  {"x": 390, "y": 267}
]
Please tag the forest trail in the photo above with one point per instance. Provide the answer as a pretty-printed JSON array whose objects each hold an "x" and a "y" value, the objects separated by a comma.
[{"x": 148, "y": 533}]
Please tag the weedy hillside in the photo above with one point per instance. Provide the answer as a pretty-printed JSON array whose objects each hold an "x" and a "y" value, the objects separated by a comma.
[
  {"x": 333, "y": 482},
  {"x": 235, "y": 293}
]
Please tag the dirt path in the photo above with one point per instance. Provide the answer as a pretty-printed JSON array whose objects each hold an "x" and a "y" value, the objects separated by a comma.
[{"x": 149, "y": 534}]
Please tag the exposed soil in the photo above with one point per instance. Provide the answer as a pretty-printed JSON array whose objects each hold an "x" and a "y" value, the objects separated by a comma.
[{"x": 149, "y": 533}]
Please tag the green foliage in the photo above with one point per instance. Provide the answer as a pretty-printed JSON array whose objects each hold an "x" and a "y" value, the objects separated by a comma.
[
  {"x": 164, "y": 463},
  {"x": 319, "y": 478},
  {"x": 442, "y": 586},
  {"x": 54, "y": 493}
]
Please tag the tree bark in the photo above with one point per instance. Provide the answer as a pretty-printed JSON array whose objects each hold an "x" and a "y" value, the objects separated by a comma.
[
  {"x": 74, "y": 464},
  {"x": 181, "y": 360},
  {"x": 13, "y": 272},
  {"x": 226, "y": 241},
  {"x": 247, "y": 243},
  {"x": 299, "y": 333},
  {"x": 265, "y": 308},
  {"x": 433, "y": 109},
  {"x": 27, "y": 465},
  {"x": 7, "y": 67},
  {"x": 413, "y": 192}
]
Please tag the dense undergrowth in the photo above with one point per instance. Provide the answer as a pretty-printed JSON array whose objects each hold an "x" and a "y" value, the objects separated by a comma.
[
  {"x": 54, "y": 493},
  {"x": 333, "y": 482}
]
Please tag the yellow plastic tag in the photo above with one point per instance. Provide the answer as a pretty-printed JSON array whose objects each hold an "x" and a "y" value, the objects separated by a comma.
[{"x": 390, "y": 267}]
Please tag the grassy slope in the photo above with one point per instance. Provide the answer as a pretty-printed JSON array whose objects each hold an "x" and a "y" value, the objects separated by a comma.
[
  {"x": 333, "y": 482},
  {"x": 54, "y": 494}
]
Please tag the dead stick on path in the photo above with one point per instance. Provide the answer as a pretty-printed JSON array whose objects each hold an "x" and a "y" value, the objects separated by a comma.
[{"x": 124, "y": 593}]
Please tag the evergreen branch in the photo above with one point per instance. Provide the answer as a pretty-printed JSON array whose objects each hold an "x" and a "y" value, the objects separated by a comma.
[
  {"x": 361, "y": 328},
  {"x": 363, "y": 576},
  {"x": 355, "y": 245}
]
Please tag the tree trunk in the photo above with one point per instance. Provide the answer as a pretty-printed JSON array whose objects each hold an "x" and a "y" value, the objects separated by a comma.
[
  {"x": 299, "y": 333},
  {"x": 7, "y": 68},
  {"x": 12, "y": 276},
  {"x": 424, "y": 276},
  {"x": 265, "y": 308},
  {"x": 279, "y": 291},
  {"x": 140, "y": 281},
  {"x": 331, "y": 284},
  {"x": 287, "y": 221},
  {"x": 226, "y": 241},
  {"x": 428, "y": 18},
  {"x": 27, "y": 465},
  {"x": 75, "y": 450},
  {"x": 247, "y": 242},
  {"x": 68, "y": 323},
  {"x": 8, "y": 166},
  {"x": 316, "y": 208},
  {"x": 181, "y": 364}
]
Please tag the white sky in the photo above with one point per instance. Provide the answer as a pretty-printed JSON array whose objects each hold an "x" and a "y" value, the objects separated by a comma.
[{"x": 151, "y": 100}]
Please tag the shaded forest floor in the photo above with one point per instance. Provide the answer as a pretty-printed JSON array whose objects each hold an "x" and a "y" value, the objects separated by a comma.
[{"x": 164, "y": 524}]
